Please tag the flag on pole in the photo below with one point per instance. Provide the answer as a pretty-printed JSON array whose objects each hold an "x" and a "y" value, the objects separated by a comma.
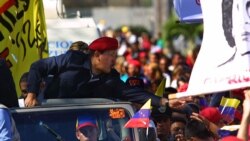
[
  {"x": 228, "y": 107},
  {"x": 23, "y": 35},
  {"x": 161, "y": 88},
  {"x": 141, "y": 118}
]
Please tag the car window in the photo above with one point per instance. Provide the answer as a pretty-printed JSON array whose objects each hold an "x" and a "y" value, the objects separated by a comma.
[{"x": 52, "y": 125}]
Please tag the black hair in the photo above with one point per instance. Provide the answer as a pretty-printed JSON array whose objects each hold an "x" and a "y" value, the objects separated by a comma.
[
  {"x": 169, "y": 90},
  {"x": 24, "y": 77},
  {"x": 179, "y": 119},
  {"x": 195, "y": 128},
  {"x": 227, "y": 21},
  {"x": 80, "y": 46},
  {"x": 157, "y": 113}
]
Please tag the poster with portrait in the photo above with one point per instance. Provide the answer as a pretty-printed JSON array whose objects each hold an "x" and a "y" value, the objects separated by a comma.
[{"x": 224, "y": 58}]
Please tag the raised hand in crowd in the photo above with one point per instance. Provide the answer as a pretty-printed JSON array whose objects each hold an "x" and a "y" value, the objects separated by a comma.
[
  {"x": 211, "y": 126},
  {"x": 179, "y": 103},
  {"x": 243, "y": 131}
]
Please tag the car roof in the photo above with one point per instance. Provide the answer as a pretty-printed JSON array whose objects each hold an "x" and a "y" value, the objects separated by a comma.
[{"x": 72, "y": 103}]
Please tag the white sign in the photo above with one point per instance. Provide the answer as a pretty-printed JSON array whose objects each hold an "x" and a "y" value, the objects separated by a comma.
[{"x": 223, "y": 61}]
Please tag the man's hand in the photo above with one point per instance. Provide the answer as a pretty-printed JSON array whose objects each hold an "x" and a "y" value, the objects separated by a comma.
[
  {"x": 175, "y": 103},
  {"x": 180, "y": 137},
  {"x": 200, "y": 118},
  {"x": 211, "y": 126},
  {"x": 243, "y": 131},
  {"x": 30, "y": 100}
]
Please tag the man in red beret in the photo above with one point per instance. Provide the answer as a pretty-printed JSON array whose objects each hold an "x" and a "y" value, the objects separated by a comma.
[{"x": 87, "y": 75}]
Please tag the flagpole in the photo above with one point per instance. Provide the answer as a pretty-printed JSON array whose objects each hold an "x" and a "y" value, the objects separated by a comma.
[
  {"x": 224, "y": 107},
  {"x": 147, "y": 133}
]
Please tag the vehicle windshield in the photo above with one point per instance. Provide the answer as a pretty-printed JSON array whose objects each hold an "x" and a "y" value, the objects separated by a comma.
[{"x": 53, "y": 125}]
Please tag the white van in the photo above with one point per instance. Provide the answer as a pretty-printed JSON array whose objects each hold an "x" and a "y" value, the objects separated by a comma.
[{"x": 62, "y": 32}]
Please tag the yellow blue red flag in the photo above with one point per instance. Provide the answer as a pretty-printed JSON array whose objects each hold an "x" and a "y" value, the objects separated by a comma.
[
  {"x": 141, "y": 118},
  {"x": 228, "y": 107},
  {"x": 23, "y": 38}
]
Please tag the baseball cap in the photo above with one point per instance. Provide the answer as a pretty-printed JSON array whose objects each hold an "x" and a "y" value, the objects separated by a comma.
[
  {"x": 134, "y": 62},
  {"x": 85, "y": 120},
  {"x": 135, "y": 82},
  {"x": 158, "y": 113},
  {"x": 212, "y": 114}
]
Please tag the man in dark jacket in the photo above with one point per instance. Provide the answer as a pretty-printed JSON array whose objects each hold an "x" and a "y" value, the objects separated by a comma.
[
  {"x": 87, "y": 75},
  {"x": 8, "y": 95}
]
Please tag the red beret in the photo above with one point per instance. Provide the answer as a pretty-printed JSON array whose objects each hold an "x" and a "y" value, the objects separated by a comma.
[
  {"x": 212, "y": 114},
  {"x": 103, "y": 44},
  {"x": 231, "y": 138}
]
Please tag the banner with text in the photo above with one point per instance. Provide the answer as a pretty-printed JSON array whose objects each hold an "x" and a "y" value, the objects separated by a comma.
[{"x": 23, "y": 34}]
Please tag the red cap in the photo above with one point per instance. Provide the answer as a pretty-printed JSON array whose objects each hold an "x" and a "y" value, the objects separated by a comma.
[
  {"x": 142, "y": 54},
  {"x": 231, "y": 138},
  {"x": 212, "y": 114},
  {"x": 103, "y": 44},
  {"x": 134, "y": 62},
  {"x": 183, "y": 87}
]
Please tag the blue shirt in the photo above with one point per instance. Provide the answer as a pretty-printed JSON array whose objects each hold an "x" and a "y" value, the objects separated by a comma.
[{"x": 5, "y": 125}]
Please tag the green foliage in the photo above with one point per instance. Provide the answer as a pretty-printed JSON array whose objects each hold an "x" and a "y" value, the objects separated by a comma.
[
  {"x": 173, "y": 28},
  {"x": 137, "y": 30}
]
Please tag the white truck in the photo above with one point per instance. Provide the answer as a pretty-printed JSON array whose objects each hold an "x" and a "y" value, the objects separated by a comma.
[{"x": 62, "y": 32}]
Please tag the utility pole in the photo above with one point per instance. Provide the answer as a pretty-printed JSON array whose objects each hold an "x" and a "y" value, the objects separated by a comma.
[{"x": 161, "y": 14}]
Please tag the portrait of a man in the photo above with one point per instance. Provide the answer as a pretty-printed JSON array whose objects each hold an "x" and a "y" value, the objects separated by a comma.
[{"x": 236, "y": 27}]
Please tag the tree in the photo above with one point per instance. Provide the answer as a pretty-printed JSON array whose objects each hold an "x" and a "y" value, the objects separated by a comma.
[{"x": 173, "y": 28}]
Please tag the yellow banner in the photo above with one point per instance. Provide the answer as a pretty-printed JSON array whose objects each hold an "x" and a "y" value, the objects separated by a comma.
[{"x": 23, "y": 37}]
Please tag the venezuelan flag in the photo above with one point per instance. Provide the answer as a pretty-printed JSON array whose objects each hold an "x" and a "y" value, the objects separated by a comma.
[
  {"x": 203, "y": 102},
  {"x": 228, "y": 107},
  {"x": 228, "y": 130},
  {"x": 141, "y": 118}
]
